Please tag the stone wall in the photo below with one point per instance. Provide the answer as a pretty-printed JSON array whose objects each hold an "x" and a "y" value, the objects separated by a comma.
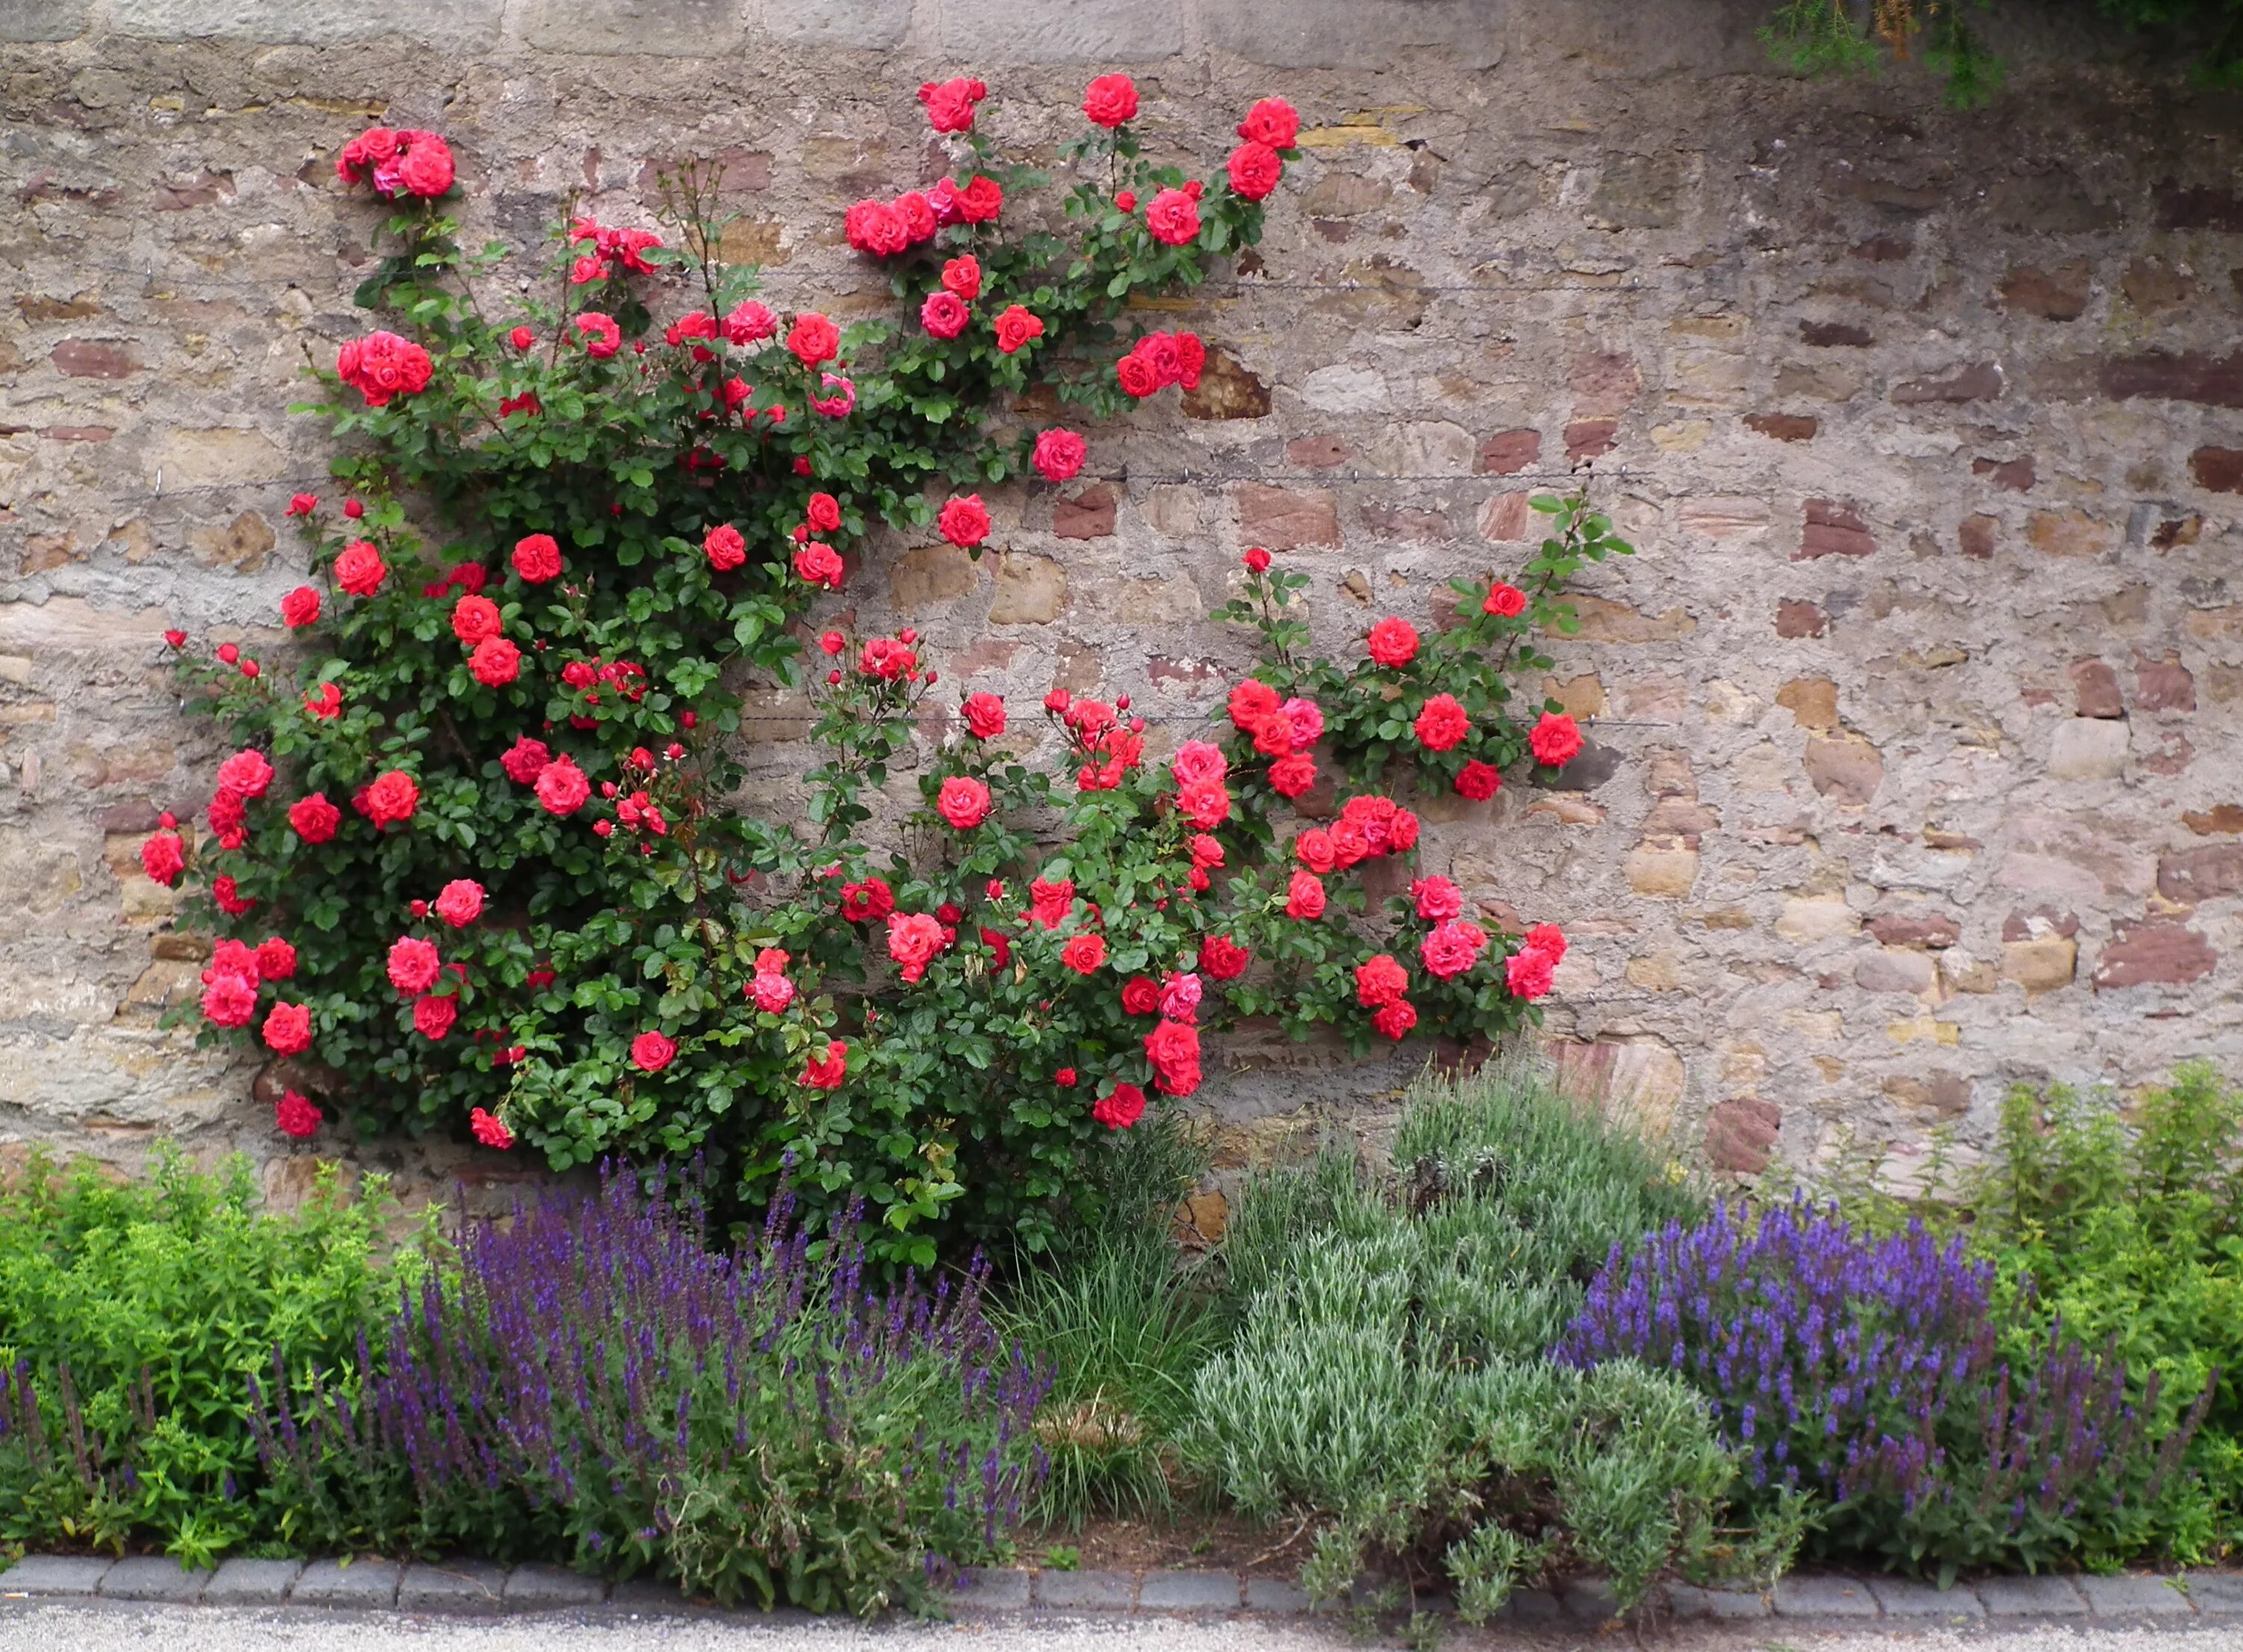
[{"x": 1915, "y": 764}]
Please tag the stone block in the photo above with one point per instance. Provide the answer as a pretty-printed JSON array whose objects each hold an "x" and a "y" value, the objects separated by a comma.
[
  {"x": 2054, "y": 295},
  {"x": 553, "y": 1589},
  {"x": 1833, "y": 529},
  {"x": 927, "y": 575},
  {"x": 995, "y": 1589},
  {"x": 1691, "y": 1604},
  {"x": 634, "y": 28},
  {"x": 865, "y": 25},
  {"x": 2032, "y": 1597},
  {"x": 1981, "y": 381},
  {"x": 29, "y": 20},
  {"x": 1909, "y": 972},
  {"x": 247, "y": 1583},
  {"x": 1662, "y": 872},
  {"x": 55, "y": 1574},
  {"x": 1087, "y": 1591},
  {"x": 639, "y": 1597},
  {"x": 1274, "y": 1595},
  {"x": 457, "y": 23},
  {"x": 1740, "y": 1134},
  {"x": 1908, "y": 1597},
  {"x": 2044, "y": 965},
  {"x": 1844, "y": 768},
  {"x": 1285, "y": 519},
  {"x": 2135, "y": 1594},
  {"x": 362, "y": 1585},
  {"x": 1189, "y": 1592},
  {"x": 153, "y": 1577},
  {"x": 1589, "y": 1600},
  {"x": 1031, "y": 590},
  {"x": 2070, "y": 533},
  {"x": 2216, "y": 1593},
  {"x": 452, "y": 1586},
  {"x": 1509, "y": 452},
  {"x": 1353, "y": 34},
  {"x": 1809, "y": 919},
  {"x": 2088, "y": 749},
  {"x": 2217, "y": 470},
  {"x": 1807, "y": 1595},
  {"x": 1058, "y": 31}
]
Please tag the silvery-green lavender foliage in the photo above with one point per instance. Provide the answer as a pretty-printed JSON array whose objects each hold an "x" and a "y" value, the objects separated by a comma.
[
  {"x": 1388, "y": 1378},
  {"x": 592, "y": 1382}
]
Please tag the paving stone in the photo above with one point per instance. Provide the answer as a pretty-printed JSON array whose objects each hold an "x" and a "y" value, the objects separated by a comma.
[
  {"x": 996, "y": 1588},
  {"x": 55, "y": 1574},
  {"x": 644, "y": 1597},
  {"x": 2215, "y": 1594},
  {"x": 2031, "y": 1597},
  {"x": 1590, "y": 1600},
  {"x": 1274, "y": 1595},
  {"x": 2134, "y": 1595},
  {"x": 1189, "y": 1592},
  {"x": 1353, "y": 34},
  {"x": 153, "y": 1577},
  {"x": 868, "y": 25},
  {"x": 364, "y": 1585},
  {"x": 555, "y": 1589},
  {"x": 1111, "y": 32},
  {"x": 246, "y": 1582},
  {"x": 309, "y": 22},
  {"x": 1816, "y": 1596},
  {"x": 42, "y": 19},
  {"x": 1090, "y": 1591},
  {"x": 634, "y": 28},
  {"x": 1910, "y": 1597},
  {"x": 1693, "y": 1604},
  {"x": 452, "y": 1586}
]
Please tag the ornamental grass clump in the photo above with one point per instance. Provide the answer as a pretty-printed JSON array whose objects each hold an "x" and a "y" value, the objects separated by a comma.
[
  {"x": 593, "y": 1383},
  {"x": 1387, "y": 1385},
  {"x": 1871, "y": 1373}
]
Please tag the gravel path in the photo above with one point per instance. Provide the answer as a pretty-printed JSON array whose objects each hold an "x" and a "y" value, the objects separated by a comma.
[{"x": 124, "y": 1628}]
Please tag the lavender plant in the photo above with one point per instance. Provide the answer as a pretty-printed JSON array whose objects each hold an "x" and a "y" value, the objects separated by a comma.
[
  {"x": 1870, "y": 1372},
  {"x": 592, "y": 1380}
]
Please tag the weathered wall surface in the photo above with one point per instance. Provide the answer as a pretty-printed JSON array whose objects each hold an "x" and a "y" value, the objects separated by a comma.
[{"x": 1917, "y": 719}]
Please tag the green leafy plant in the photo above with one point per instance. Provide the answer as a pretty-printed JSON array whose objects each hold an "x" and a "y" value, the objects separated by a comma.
[
  {"x": 1387, "y": 1378},
  {"x": 133, "y": 1318}
]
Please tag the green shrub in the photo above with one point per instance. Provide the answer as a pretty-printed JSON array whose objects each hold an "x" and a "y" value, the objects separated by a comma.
[
  {"x": 1387, "y": 1376},
  {"x": 132, "y": 1319}
]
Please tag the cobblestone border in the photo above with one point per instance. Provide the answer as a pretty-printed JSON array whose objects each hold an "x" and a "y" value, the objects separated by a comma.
[{"x": 471, "y": 1587}]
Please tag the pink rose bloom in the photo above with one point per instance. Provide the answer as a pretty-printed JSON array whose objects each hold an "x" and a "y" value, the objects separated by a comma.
[{"x": 460, "y": 903}]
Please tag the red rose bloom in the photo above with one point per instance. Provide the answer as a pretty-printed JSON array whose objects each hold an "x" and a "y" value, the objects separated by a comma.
[
  {"x": 413, "y": 964},
  {"x": 490, "y": 1130},
  {"x": 1059, "y": 454},
  {"x": 1291, "y": 776},
  {"x": 1064, "y": 1077},
  {"x": 1393, "y": 643},
  {"x": 950, "y": 103},
  {"x": 324, "y": 702},
  {"x": 599, "y": 333},
  {"x": 1476, "y": 781},
  {"x": 276, "y": 959},
  {"x": 944, "y": 315},
  {"x": 1123, "y": 1107},
  {"x": 962, "y": 276},
  {"x": 1380, "y": 981},
  {"x": 1196, "y": 760},
  {"x": 1451, "y": 948},
  {"x": 360, "y": 569},
  {"x": 1556, "y": 740},
  {"x": 1173, "y": 1049},
  {"x": 474, "y": 619},
  {"x": 1109, "y": 100},
  {"x": 537, "y": 558},
  {"x": 496, "y": 662},
  {"x": 813, "y": 339},
  {"x": 876, "y": 227},
  {"x": 1443, "y": 725},
  {"x": 1549, "y": 940},
  {"x": 229, "y": 1000},
  {"x": 985, "y": 715},
  {"x": 750, "y": 322},
  {"x": 561, "y": 788},
  {"x": 1256, "y": 560},
  {"x": 460, "y": 903},
  {"x": 725, "y": 548},
  {"x": 1305, "y": 898},
  {"x": 302, "y": 504},
  {"x": 963, "y": 801},
  {"x": 1507, "y": 602},
  {"x": 288, "y": 1029},
  {"x": 521, "y": 338},
  {"x": 918, "y": 214},
  {"x": 823, "y": 513},
  {"x": 1314, "y": 850},
  {"x": 1206, "y": 804},
  {"x": 980, "y": 200},
  {"x": 829, "y": 1072},
  {"x": 1140, "y": 995},
  {"x": 871, "y": 899},
  {"x": 816, "y": 564},
  {"x": 1250, "y": 701},
  {"x": 1222, "y": 958},
  {"x": 1255, "y": 169},
  {"x": 1172, "y": 217},
  {"x": 1050, "y": 903},
  {"x": 1139, "y": 378},
  {"x": 164, "y": 857},
  {"x": 1272, "y": 121},
  {"x": 300, "y": 608},
  {"x": 651, "y": 1052},
  {"x": 426, "y": 168},
  {"x": 314, "y": 818},
  {"x": 246, "y": 774},
  {"x": 913, "y": 939},
  {"x": 963, "y": 521},
  {"x": 293, "y": 1116},
  {"x": 229, "y": 897},
  {"x": 1438, "y": 899},
  {"x": 1394, "y": 1020},
  {"x": 525, "y": 760},
  {"x": 1529, "y": 974},
  {"x": 1083, "y": 953},
  {"x": 382, "y": 365},
  {"x": 392, "y": 798},
  {"x": 433, "y": 1016},
  {"x": 1015, "y": 326}
]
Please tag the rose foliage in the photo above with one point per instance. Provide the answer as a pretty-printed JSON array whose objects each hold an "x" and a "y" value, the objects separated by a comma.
[{"x": 476, "y": 866}]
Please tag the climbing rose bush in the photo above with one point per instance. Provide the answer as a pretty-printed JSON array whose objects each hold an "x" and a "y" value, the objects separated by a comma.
[{"x": 476, "y": 865}]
